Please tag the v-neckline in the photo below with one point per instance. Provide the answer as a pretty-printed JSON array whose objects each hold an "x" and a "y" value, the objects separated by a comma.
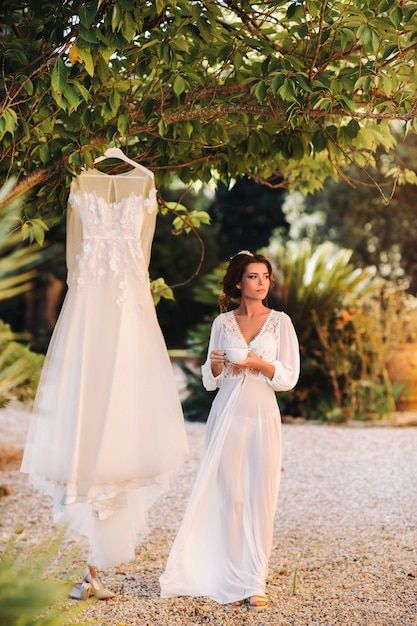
[{"x": 264, "y": 323}]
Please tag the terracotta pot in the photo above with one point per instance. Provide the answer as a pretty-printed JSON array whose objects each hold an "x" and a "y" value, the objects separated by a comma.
[{"x": 402, "y": 370}]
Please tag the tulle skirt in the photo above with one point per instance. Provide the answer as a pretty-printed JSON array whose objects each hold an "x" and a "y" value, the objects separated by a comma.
[{"x": 107, "y": 431}]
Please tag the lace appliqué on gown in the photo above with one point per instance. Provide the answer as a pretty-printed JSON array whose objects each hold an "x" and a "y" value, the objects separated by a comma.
[
  {"x": 264, "y": 344},
  {"x": 111, "y": 244}
]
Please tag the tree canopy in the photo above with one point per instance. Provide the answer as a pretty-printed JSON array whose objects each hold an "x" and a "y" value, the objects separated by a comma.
[{"x": 289, "y": 90}]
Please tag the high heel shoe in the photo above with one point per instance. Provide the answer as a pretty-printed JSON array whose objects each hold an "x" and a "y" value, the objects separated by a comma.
[
  {"x": 80, "y": 591},
  {"x": 97, "y": 588}
]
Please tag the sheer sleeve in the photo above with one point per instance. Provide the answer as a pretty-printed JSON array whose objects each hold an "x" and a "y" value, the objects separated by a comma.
[
  {"x": 287, "y": 363},
  {"x": 211, "y": 382},
  {"x": 73, "y": 229},
  {"x": 149, "y": 223}
]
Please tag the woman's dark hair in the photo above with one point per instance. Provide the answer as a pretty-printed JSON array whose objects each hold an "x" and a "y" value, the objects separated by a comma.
[{"x": 234, "y": 274}]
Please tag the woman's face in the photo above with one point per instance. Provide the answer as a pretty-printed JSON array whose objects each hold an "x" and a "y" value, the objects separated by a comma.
[{"x": 255, "y": 281}]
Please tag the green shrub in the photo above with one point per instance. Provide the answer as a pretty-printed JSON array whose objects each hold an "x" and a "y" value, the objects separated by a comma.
[
  {"x": 348, "y": 320},
  {"x": 19, "y": 368}
]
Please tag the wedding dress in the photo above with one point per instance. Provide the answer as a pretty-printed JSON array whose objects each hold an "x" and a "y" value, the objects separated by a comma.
[
  {"x": 107, "y": 430},
  {"x": 225, "y": 539}
]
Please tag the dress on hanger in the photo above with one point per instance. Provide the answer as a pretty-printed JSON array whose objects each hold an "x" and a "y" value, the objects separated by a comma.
[
  {"x": 224, "y": 542},
  {"x": 107, "y": 430}
]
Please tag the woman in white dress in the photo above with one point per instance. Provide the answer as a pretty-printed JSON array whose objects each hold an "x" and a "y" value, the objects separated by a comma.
[
  {"x": 107, "y": 430},
  {"x": 225, "y": 539}
]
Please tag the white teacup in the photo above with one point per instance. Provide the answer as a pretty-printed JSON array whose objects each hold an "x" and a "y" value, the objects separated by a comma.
[{"x": 236, "y": 355}]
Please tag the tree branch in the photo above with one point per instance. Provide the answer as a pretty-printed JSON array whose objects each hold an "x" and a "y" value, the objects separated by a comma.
[{"x": 217, "y": 111}]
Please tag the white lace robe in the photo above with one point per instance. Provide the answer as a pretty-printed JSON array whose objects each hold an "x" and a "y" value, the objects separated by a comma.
[
  {"x": 107, "y": 430},
  {"x": 224, "y": 542}
]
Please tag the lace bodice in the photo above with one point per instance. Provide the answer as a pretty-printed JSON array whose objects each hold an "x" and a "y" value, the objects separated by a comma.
[
  {"x": 110, "y": 227},
  {"x": 264, "y": 344},
  {"x": 276, "y": 343}
]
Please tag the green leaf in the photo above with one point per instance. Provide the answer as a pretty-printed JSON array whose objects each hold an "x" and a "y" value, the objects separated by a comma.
[
  {"x": 160, "y": 289},
  {"x": 117, "y": 18},
  {"x": 39, "y": 228},
  {"x": 199, "y": 217},
  {"x": 123, "y": 124},
  {"x": 88, "y": 60},
  {"x": 303, "y": 81},
  {"x": 165, "y": 53},
  {"x": 385, "y": 5},
  {"x": 44, "y": 153},
  {"x": 114, "y": 101},
  {"x": 179, "y": 85},
  {"x": 162, "y": 128},
  {"x": 396, "y": 16},
  {"x": 72, "y": 97},
  {"x": 291, "y": 10},
  {"x": 347, "y": 103},
  {"x": 88, "y": 159},
  {"x": 388, "y": 85},
  {"x": 29, "y": 87},
  {"x": 260, "y": 91},
  {"x": 25, "y": 231},
  {"x": 128, "y": 26},
  {"x": 287, "y": 91},
  {"x": 87, "y": 34},
  {"x": 10, "y": 123},
  {"x": 389, "y": 50},
  {"x": 81, "y": 90},
  {"x": 87, "y": 14},
  {"x": 296, "y": 148},
  {"x": 75, "y": 159},
  {"x": 34, "y": 230},
  {"x": 160, "y": 6},
  {"x": 343, "y": 137},
  {"x": 277, "y": 83},
  {"x": 365, "y": 35},
  {"x": 59, "y": 76},
  {"x": 319, "y": 140},
  {"x": 353, "y": 128},
  {"x": 346, "y": 36}
]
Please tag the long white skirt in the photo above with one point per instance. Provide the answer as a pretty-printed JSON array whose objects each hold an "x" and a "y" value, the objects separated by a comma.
[
  {"x": 225, "y": 539},
  {"x": 107, "y": 430}
]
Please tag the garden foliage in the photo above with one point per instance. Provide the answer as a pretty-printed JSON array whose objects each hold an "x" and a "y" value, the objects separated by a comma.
[{"x": 284, "y": 90}]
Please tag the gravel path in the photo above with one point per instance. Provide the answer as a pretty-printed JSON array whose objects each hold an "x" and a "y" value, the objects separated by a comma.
[{"x": 345, "y": 548}]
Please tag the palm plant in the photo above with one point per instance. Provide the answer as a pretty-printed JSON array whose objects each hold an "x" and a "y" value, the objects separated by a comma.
[
  {"x": 320, "y": 280},
  {"x": 17, "y": 262},
  {"x": 343, "y": 374},
  {"x": 19, "y": 367}
]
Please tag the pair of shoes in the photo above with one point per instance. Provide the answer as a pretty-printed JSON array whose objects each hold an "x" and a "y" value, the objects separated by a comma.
[
  {"x": 80, "y": 591},
  {"x": 257, "y": 603},
  {"x": 97, "y": 588}
]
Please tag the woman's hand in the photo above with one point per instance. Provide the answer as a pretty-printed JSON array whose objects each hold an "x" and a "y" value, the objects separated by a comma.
[
  {"x": 217, "y": 358},
  {"x": 255, "y": 362}
]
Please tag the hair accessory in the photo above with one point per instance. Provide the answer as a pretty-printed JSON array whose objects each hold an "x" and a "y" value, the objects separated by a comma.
[{"x": 242, "y": 252}]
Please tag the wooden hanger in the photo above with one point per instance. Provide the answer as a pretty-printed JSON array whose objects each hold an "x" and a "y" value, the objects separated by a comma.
[{"x": 116, "y": 153}]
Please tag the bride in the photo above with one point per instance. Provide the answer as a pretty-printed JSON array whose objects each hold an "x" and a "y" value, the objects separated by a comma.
[{"x": 225, "y": 539}]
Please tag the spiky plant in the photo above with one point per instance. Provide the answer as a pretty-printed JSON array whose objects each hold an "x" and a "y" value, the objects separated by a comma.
[
  {"x": 18, "y": 261},
  {"x": 19, "y": 367},
  {"x": 31, "y": 591}
]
